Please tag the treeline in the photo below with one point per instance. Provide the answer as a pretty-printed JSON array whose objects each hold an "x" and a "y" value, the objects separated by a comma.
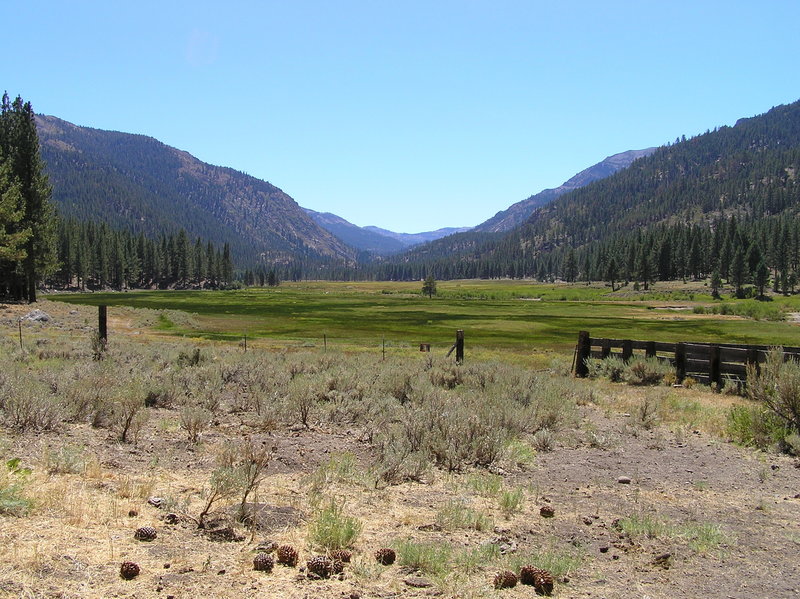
[
  {"x": 27, "y": 218},
  {"x": 95, "y": 256},
  {"x": 765, "y": 252}
]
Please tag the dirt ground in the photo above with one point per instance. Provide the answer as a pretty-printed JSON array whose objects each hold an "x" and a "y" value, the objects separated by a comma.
[{"x": 729, "y": 517}]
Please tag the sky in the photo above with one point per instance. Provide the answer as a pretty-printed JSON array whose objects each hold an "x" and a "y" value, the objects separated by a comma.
[{"x": 409, "y": 115}]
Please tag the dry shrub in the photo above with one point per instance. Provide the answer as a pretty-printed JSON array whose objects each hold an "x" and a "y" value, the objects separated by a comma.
[{"x": 777, "y": 386}]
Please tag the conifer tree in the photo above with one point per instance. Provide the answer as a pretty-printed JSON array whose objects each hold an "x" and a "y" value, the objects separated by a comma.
[{"x": 19, "y": 149}]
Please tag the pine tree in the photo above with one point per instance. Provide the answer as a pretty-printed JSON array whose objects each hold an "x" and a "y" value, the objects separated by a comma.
[
  {"x": 570, "y": 268},
  {"x": 761, "y": 278},
  {"x": 429, "y": 286},
  {"x": 12, "y": 238},
  {"x": 19, "y": 147}
]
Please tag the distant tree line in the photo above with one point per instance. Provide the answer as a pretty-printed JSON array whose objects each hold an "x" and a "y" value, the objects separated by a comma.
[{"x": 95, "y": 256}]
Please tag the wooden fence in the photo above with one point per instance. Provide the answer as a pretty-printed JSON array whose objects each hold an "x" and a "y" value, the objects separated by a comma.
[{"x": 705, "y": 362}]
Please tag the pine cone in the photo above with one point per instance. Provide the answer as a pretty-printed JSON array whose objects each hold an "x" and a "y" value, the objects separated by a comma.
[
  {"x": 263, "y": 562},
  {"x": 385, "y": 556},
  {"x": 287, "y": 555},
  {"x": 129, "y": 570},
  {"x": 505, "y": 579},
  {"x": 338, "y": 566},
  {"x": 320, "y": 565},
  {"x": 145, "y": 533},
  {"x": 547, "y": 511},
  {"x": 343, "y": 555},
  {"x": 541, "y": 580}
]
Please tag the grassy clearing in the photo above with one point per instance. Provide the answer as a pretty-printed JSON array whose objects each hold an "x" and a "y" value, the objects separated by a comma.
[{"x": 499, "y": 317}]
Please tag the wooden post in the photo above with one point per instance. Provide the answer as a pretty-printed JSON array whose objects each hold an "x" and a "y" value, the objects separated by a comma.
[
  {"x": 459, "y": 346},
  {"x": 102, "y": 324},
  {"x": 245, "y": 343},
  {"x": 583, "y": 352},
  {"x": 680, "y": 362},
  {"x": 650, "y": 349},
  {"x": 325, "y": 341},
  {"x": 605, "y": 348},
  {"x": 627, "y": 350},
  {"x": 19, "y": 322},
  {"x": 713, "y": 366},
  {"x": 383, "y": 348},
  {"x": 752, "y": 358}
]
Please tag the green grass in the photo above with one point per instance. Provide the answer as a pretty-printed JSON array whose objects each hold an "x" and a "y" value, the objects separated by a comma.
[{"x": 495, "y": 315}]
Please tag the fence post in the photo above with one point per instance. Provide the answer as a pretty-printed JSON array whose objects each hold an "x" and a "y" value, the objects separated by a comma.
[
  {"x": 752, "y": 358},
  {"x": 583, "y": 352},
  {"x": 627, "y": 350},
  {"x": 606, "y": 348},
  {"x": 102, "y": 324},
  {"x": 650, "y": 349},
  {"x": 713, "y": 366},
  {"x": 680, "y": 362},
  {"x": 459, "y": 346}
]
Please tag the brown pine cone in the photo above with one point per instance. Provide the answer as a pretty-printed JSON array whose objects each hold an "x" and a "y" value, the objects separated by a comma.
[
  {"x": 145, "y": 533},
  {"x": 505, "y": 579},
  {"x": 263, "y": 562},
  {"x": 287, "y": 555},
  {"x": 385, "y": 556},
  {"x": 129, "y": 570}
]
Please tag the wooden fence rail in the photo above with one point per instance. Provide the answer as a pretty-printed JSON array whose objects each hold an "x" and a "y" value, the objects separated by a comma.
[{"x": 705, "y": 362}]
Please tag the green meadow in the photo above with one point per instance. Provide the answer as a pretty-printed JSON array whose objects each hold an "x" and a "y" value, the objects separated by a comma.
[{"x": 497, "y": 316}]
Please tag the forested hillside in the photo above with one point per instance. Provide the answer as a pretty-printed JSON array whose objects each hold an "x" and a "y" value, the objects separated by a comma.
[
  {"x": 136, "y": 183},
  {"x": 722, "y": 202},
  {"x": 519, "y": 213}
]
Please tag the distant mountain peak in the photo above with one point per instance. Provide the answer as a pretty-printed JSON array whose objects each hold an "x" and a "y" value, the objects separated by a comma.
[
  {"x": 375, "y": 239},
  {"x": 518, "y": 213}
]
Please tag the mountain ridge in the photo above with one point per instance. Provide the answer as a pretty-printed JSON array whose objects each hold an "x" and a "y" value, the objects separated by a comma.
[
  {"x": 518, "y": 213},
  {"x": 137, "y": 182}
]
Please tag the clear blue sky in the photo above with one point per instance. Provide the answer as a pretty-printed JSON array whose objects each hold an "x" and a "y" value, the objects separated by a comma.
[{"x": 410, "y": 115}]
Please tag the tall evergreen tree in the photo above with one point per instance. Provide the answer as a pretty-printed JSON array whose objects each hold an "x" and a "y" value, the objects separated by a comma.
[{"x": 19, "y": 147}]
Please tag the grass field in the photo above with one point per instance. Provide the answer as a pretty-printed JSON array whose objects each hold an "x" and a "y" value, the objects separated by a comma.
[{"x": 497, "y": 316}]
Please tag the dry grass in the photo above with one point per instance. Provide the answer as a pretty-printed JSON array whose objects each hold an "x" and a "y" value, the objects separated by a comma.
[{"x": 80, "y": 527}]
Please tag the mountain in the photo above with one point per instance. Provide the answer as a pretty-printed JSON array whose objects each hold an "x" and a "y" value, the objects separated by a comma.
[
  {"x": 360, "y": 238},
  {"x": 725, "y": 201},
  {"x": 412, "y": 239},
  {"x": 518, "y": 213},
  {"x": 137, "y": 183},
  {"x": 375, "y": 240}
]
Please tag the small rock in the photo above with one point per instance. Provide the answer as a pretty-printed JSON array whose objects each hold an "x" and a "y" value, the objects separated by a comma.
[
  {"x": 418, "y": 582},
  {"x": 37, "y": 316},
  {"x": 547, "y": 511},
  {"x": 604, "y": 549},
  {"x": 156, "y": 501},
  {"x": 664, "y": 560},
  {"x": 624, "y": 480},
  {"x": 587, "y": 520},
  {"x": 132, "y": 514}
]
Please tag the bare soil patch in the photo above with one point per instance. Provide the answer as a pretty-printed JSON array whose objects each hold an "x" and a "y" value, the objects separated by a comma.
[{"x": 657, "y": 512}]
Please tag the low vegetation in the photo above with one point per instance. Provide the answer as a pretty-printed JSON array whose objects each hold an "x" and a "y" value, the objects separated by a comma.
[{"x": 449, "y": 464}]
